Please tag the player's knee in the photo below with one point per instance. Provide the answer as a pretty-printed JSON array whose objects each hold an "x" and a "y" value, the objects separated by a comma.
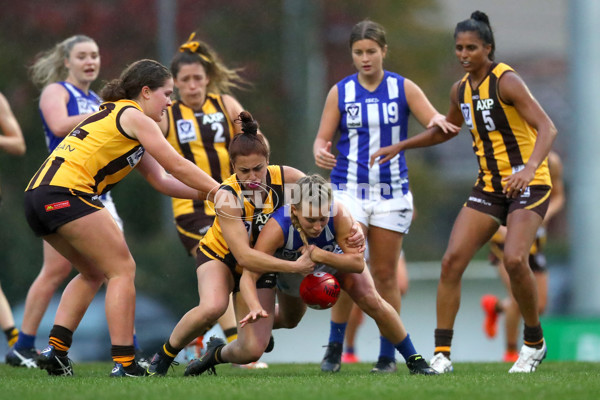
[
  {"x": 209, "y": 310},
  {"x": 55, "y": 278},
  {"x": 289, "y": 323},
  {"x": 56, "y": 269},
  {"x": 123, "y": 269},
  {"x": 450, "y": 270},
  {"x": 385, "y": 279},
  {"x": 370, "y": 303},
  {"x": 129, "y": 266},
  {"x": 516, "y": 263},
  {"x": 94, "y": 280},
  {"x": 254, "y": 352},
  {"x": 216, "y": 310},
  {"x": 290, "y": 320}
]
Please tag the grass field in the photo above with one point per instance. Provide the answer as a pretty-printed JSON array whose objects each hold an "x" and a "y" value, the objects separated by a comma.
[{"x": 554, "y": 380}]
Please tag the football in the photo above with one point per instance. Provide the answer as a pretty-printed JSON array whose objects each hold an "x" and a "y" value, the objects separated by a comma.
[{"x": 319, "y": 290}]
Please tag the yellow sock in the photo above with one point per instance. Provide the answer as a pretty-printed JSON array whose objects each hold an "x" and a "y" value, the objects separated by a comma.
[
  {"x": 12, "y": 337},
  {"x": 58, "y": 344}
]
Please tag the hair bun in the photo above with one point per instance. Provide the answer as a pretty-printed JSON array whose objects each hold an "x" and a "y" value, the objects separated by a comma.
[
  {"x": 480, "y": 16},
  {"x": 249, "y": 124}
]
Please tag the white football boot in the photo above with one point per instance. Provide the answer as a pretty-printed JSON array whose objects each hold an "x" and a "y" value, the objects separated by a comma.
[
  {"x": 441, "y": 364},
  {"x": 529, "y": 359}
]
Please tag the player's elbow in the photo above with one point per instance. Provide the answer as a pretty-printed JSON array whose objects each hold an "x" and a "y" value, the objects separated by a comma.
[
  {"x": 18, "y": 149},
  {"x": 21, "y": 149},
  {"x": 358, "y": 263},
  {"x": 159, "y": 181},
  {"x": 550, "y": 129},
  {"x": 245, "y": 260}
]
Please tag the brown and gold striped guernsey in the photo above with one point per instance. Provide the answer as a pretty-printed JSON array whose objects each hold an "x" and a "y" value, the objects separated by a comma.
[
  {"x": 213, "y": 243},
  {"x": 95, "y": 156},
  {"x": 202, "y": 137},
  {"x": 502, "y": 140}
]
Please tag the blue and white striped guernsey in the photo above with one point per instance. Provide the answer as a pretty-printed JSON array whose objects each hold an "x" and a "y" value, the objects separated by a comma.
[
  {"x": 79, "y": 103},
  {"x": 292, "y": 241},
  {"x": 370, "y": 121}
]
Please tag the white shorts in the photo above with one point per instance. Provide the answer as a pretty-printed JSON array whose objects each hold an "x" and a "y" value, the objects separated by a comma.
[
  {"x": 109, "y": 204},
  {"x": 393, "y": 214}
]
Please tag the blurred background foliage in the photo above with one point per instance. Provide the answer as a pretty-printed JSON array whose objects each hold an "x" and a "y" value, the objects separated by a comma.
[{"x": 292, "y": 51}]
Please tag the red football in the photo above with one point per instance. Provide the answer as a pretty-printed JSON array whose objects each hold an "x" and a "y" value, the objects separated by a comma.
[{"x": 319, "y": 290}]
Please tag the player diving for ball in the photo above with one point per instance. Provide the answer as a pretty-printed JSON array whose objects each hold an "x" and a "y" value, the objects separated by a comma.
[
  {"x": 311, "y": 223},
  {"x": 243, "y": 203}
]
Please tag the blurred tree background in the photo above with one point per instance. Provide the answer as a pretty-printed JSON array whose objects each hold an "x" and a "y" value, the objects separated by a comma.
[{"x": 292, "y": 51}]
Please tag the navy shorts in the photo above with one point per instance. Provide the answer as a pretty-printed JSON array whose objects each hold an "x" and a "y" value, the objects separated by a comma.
[
  {"x": 192, "y": 228},
  {"x": 47, "y": 208},
  {"x": 266, "y": 281},
  {"x": 535, "y": 198}
]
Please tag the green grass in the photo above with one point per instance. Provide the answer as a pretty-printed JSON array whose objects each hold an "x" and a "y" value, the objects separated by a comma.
[{"x": 554, "y": 380}]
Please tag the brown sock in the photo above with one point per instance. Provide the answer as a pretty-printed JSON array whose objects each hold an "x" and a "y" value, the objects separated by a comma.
[
  {"x": 533, "y": 336},
  {"x": 443, "y": 341}
]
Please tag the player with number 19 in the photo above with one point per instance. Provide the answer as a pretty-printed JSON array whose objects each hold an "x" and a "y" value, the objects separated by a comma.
[{"x": 370, "y": 109}]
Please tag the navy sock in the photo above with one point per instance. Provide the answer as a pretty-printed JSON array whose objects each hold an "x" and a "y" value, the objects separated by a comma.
[
  {"x": 406, "y": 348},
  {"x": 25, "y": 341},
  {"x": 386, "y": 348},
  {"x": 136, "y": 344},
  {"x": 337, "y": 331}
]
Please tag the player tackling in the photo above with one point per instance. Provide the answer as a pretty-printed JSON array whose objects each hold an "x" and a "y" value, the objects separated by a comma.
[{"x": 312, "y": 223}]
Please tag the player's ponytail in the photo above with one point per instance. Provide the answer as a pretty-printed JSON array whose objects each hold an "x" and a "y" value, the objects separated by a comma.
[
  {"x": 220, "y": 78},
  {"x": 296, "y": 225},
  {"x": 141, "y": 73},
  {"x": 49, "y": 65},
  {"x": 249, "y": 141}
]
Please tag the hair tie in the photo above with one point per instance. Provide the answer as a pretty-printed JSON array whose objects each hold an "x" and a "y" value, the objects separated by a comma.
[{"x": 192, "y": 47}]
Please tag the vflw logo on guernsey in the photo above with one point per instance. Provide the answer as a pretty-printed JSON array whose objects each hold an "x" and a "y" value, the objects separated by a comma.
[
  {"x": 353, "y": 115},
  {"x": 57, "y": 206}
]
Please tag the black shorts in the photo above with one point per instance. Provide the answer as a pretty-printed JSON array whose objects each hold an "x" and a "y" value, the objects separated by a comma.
[
  {"x": 192, "y": 228},
  {"x": 47, "y": 208},
  {"x": 266, "y": 281},
  {"x": 535, "y": 198}
]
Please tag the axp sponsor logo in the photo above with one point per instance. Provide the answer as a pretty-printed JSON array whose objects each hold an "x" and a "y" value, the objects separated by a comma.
[{"x": 484, "y": 104}]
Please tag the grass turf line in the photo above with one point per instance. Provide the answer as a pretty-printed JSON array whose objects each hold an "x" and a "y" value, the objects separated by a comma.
[{"x": 553, "y": 380}]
